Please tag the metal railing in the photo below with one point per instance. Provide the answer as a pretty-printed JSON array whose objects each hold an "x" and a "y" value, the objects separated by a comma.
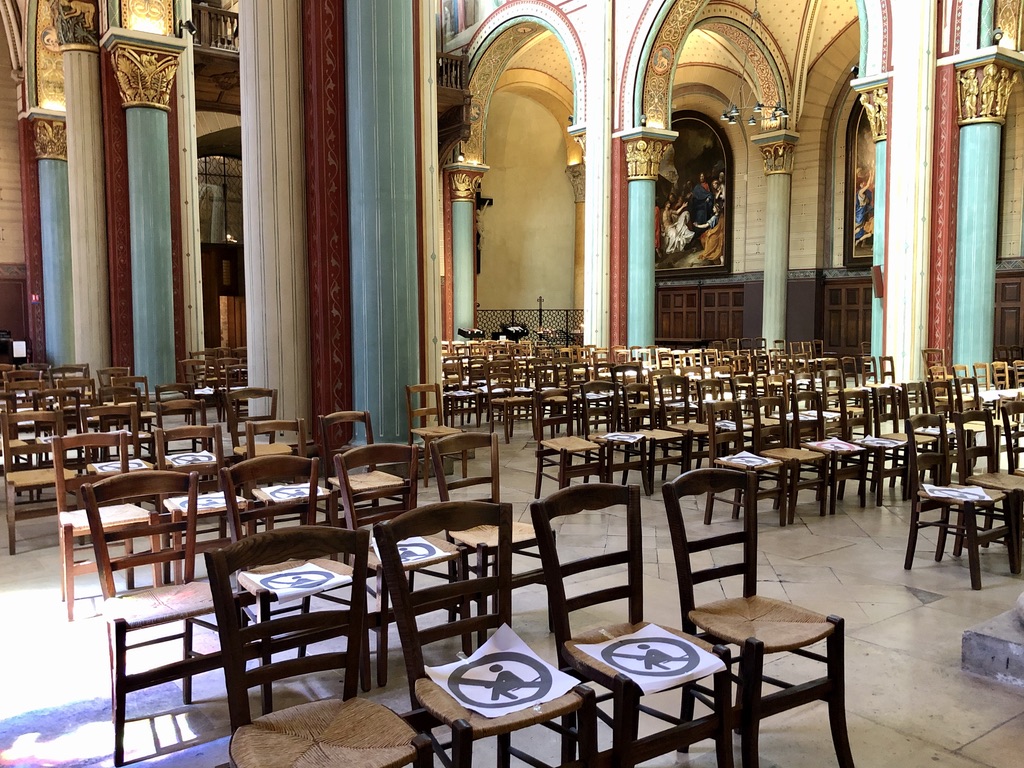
[
  {"x": 561, "y": 327},
  {"x": 215, "y": 29}
]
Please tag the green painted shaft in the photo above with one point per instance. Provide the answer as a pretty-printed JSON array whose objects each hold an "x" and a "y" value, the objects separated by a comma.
[{"x": 58, "y": 287}]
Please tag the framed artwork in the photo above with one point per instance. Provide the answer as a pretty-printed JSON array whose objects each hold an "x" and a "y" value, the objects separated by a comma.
[
  {"x": 459, "y": 19},
  {"x": 693, "y": 207},
  {"x": 859, "y": 202}
]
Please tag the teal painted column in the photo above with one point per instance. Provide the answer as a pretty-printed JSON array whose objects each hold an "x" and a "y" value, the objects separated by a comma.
[
  {"x": 382, "y": 177},
  {"x": 982, "y": 111},
  {"x": 149, "y": 194},
  {"x": 463, "y": 182},
  {"x": 777, "y": 148},
  {"x": 644, "y": 149},
  {"x": 55, "y": 221},
  {"x": 878, "y": 246}
]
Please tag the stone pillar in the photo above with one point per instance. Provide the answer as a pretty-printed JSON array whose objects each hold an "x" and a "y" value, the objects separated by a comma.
[
  {"x": 644, "y": 149},
  {"x": 577, "y": 174},
  {"x": 876, "y": 107},
  {"x": 984, "y": 89},
  {"x": 55, "y": 220},
  {"x": 274, "y": 201},
  {"x": 383, "y": 194},
  {"x": 145, "y": 66},
  {"x": 463, "y": 183},
  {"x": 600, "y": 104},
  {"x": 777, "y": 149},
  {"x": 87, "y": 186}
]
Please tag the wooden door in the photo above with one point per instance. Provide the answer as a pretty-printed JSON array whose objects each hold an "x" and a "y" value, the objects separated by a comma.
[
  {"x": 679, "y": 313},
  {"x": 1008, "y": 309},
  {"x": 847, "y": 315},
  {"x": 722, "y": 312}
]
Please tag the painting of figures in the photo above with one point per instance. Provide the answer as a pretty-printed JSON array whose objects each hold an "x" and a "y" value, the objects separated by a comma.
[
  {"x": 692, "y": 205},
  {"x": 459, "y": 19},
  {"x": 860, "y": 190}
]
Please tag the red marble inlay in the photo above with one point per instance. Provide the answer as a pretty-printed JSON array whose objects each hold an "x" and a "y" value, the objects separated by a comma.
[
  {"x": 617, "y": 291},
  {"x": 33, "y": 241},
  {"x": 943, "y": 242},
  {"x": 177, "y": 266}
]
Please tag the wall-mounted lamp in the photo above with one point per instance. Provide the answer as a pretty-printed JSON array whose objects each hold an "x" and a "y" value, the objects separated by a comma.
[
  {"x": 570, "y": 119},
  {"x": 460, "y": 158},
  {"x": 187, "y": 26},
  {"x": 643, "y": 121},
  {"x": 854, "y": 71},
  {"x": 997, "y": 35}
]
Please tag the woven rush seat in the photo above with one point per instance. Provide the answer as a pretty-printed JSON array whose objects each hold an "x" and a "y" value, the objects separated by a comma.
[
  {"x": 779, "y": 625},
  {"x": 919, "y": 439},
  {"x": 31, "y": 478},
  {"x": 693, "y": 427},
  {"x": 571, "y": 444},
  {"x": 371, "y": 481},
  {"x": 435, "y": 432},
  {"x": 997, "y": 481},
  {"x": 581, "y": 660},
  {"x": 160, "y": 605},
  {"x": 112, "y": 517},
  {"x": 993, "y": 496},
  {"x": 439, "y": 703},
  {"x": 487, "y": 535},
  {"x": 265, "y": 449},
  {"x": 793, "y": 454},
  {"x": 356, "y": 733}
]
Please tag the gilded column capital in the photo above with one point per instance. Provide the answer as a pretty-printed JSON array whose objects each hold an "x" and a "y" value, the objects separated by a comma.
[
  {"x": 145, "y": 76},
  {"x": 577, "y": 174},
  {"x": 876, "y": 110},
  {"x": 464, "y": 180},
  {"x": 777, "y": 149},
  {"x": 579, "y": 135},
  {"x": 50, "y": 138},
  {"x": 984, "y": 90},
  {"x": 644, "y": 150},
  {"x": 77, "y": 24}
]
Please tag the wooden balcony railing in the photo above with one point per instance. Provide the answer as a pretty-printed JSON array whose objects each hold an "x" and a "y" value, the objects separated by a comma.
[
  {"x": 215, "y": 29},
  {"x": 451, "y": 71}
]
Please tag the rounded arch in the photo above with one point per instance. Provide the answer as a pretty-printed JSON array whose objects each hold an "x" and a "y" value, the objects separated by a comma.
[
  {"x": 502, "y": 35},
  {"x": 875, "y": 36},
  {"x": 10, "y": 17},
  {"x": 763, "y": 54}
]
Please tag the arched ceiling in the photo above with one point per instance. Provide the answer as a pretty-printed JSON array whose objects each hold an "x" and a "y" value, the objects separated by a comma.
[{"x": 546, "y": 55}]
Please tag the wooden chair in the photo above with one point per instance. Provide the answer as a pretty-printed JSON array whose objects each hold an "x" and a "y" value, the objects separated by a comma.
[
  {"x": 588, "y": 578},
  {"x": 940, "y": 396},
  {"x": 934, "y": 358},
  {"x": 129, "y": 614},
  {"x": 1013, "y": 434},
  {"x": 252, "y": 498},
  {"x": 63, "y": 371},
  {"x": 886, "y": 370},
  {"x": 799, "y": 461},
  {"x": 681, "y": 414},
  {"x": 105, "y": 376},
  {"x": 192, "y": 448},
  {"x": 191, "y": 411},
  {"x": 336, "y": 434},
  {"x": 248, "y": 404},
  {"x": 494, "y": 608},
  {"x": 553, "y": 413},
  {"x": 1000, "y": 374},
  {"x": 28, "y": 465},
  {"x": 116, "y": 418},
  {"x": 425, "y": 418},
  {"x": 264, "y": 438},
  {"x": 888, "y": 447},
  {"x": 507, "y": 397},
  {"x": 982, "y": 373},
  {"x": 967, "y": 393},
  {"x": 65, "y": 401},
  {"x": 760, "y": 626},
  {"x": 75, "y": 460},
  {"x": 348, "y": 731}
]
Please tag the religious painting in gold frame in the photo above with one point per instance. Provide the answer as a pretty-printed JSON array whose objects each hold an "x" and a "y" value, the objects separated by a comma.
[
  {"x": 859, "y": 199},
  {"x": 693, "y": 202}
]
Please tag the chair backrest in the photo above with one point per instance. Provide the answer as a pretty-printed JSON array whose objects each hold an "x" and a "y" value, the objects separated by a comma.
[
  {"x": 80, "y": 454},
  {"x": 114, "y": 418},
  {"x": 627, "y": 373},
  {"x": 674, "y": 399},
  {"x": 272, "y": 429},
  {"x": 42, "y": 424},
  {"x": 885, "y": 410},
  {"x": 105, "y": 375},
  {"x": 378, "y": 496},
  {"x": 769, "y": 423},
  {"x": 734, "y": 552},
  {"x": 244, "y": 642},
  {"x": 245, "y": 478},
  {"x": 600, "y": 407},
  {"x": 981, "y": 373},
  {"x": 239, "y": 407},
  {"x": 84, "y": 385},
  {"x": 491, "y": 594},
  {"x": 553, "y": 412},
  {"x": 336, "y": 431},
  {"x": 71, "y": 369},
  {"x": 25, "y": 374},
  {"x": 172, "y": 534},
  {"x": 1000, "y": 374},
  {"x": 589, "y": 575},
  {"x": 201, "y": 439},
  {"x": 931, "y": 457},
  {"x": 454, "y": 446},
  {"x": 140, "y": 383},
  {"x": 192, "y": 371},
  {"x": 423, "y": 405},
  {"x": 803, "y": 428},
  {"x": 1013, "y": 433},
  {"x": 190, "y": 410},
  {"x": 940, "y": 395},
  {"x": 724, "y": 439},
  {"x": 886, "y": 369},
  {"x": 854, "y": 413},
  {"x": 969, "y": 448},
  {"x": 968, "y": 395}
]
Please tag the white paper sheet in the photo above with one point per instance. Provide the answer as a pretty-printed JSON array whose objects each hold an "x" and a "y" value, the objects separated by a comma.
[
  {"x": 415, "y": 550},
  {"x": 295, "y": 583}
]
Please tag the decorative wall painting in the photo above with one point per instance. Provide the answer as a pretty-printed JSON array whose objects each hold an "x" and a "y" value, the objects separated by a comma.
[{"x": 860, "y": 190}]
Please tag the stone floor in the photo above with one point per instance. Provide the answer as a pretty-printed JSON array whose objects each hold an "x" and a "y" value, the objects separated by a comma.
[{"x": 909, "y": 703}]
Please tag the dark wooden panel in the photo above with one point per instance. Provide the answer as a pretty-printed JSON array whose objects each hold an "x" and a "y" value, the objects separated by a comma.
[
  {"x": 847, "y": 315},
  {"x": 1009, "y": 289},
  {"x": 13, "y": 308},
  {"x": 689, "y": 313}
]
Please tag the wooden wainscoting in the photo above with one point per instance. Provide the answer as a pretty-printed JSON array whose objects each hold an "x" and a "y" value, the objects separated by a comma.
[
  {"x": 692, "y": 313},
  {"x": 1009, "y": 294},
  {"x": 847, "y": 309}
]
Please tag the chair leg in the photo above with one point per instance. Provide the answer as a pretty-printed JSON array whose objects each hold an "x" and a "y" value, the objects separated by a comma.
[
  {"x": 11, "y": 517},
  {"x": 915, "y": 517},
  {"x": 970, "y": 517},
  {"x": 723, "y": 706},
  {"x": 836, "y": 663},
  {"x": 504, "y": 745},
  {"x": 186, "y": 653},
  {"x": 462, "y": 745},
  {"x": 751, "y": 670},
  {"x": 117, "y": 634},
  {"x": 382, "y": 630},
  {"x": 627, "y": 721}
]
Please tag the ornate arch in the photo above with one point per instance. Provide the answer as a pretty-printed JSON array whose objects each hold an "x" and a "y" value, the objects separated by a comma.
[
  {"x": 10, "y": 16},
  {"x": 875, "y": 36},
  {"x": 499, "y": 38},
  {"x": 763, "y": 54}
]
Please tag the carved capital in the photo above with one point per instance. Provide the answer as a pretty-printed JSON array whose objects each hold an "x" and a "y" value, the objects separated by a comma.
[
  {"x": 643, "y": 157},
  {"x": 580, "y": 137},
  {"x": 578, "y": 178},
  {"x": 77, "y": 24},
  {"x": 145, "y": 77},
  {"x": 876, "y": 110},
  {"x": 51, "y": 139},
  {"x": 983, "y": 93},
  {"x": 778, "y": 157},
  {"x": 464, "y": 183}
]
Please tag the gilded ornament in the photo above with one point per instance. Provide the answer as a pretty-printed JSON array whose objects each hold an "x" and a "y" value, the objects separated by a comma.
[
  {"x": 75, "y": 22},
  {"x": 989, "y": 101},
  {"x": 49, "y": 64},
  {"x": 464, "y": 185},
  {"x": 876, "y": 110},
  {"x": 778, "y": 157},
  {"x": 51, "y": 139},
  {"x": 577, "y": 174},
  {"x": 657, "y": 92},
  {"x": 145, "y": 77},
  {"x": 643, "y": 157},
  {"x": 155, "y": 16}
]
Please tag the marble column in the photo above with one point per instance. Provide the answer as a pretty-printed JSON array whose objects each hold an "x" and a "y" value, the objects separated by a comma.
[
  {"x": 382, "y": 170},
  {"x": 876, "y": 108},
  {"x": 274, "y": 201},
  {"x": 577, "y": 174},
  {"x": 87, "y": 188},
  {"x": 463, "y": 183},
  {"x": 777, "y": 149},
  {"x": 984, "y": 89},
  {"x": 146, "y": 67},
  {"x": 644, "y": 149},
  {"x": 55, "y": 220}
]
